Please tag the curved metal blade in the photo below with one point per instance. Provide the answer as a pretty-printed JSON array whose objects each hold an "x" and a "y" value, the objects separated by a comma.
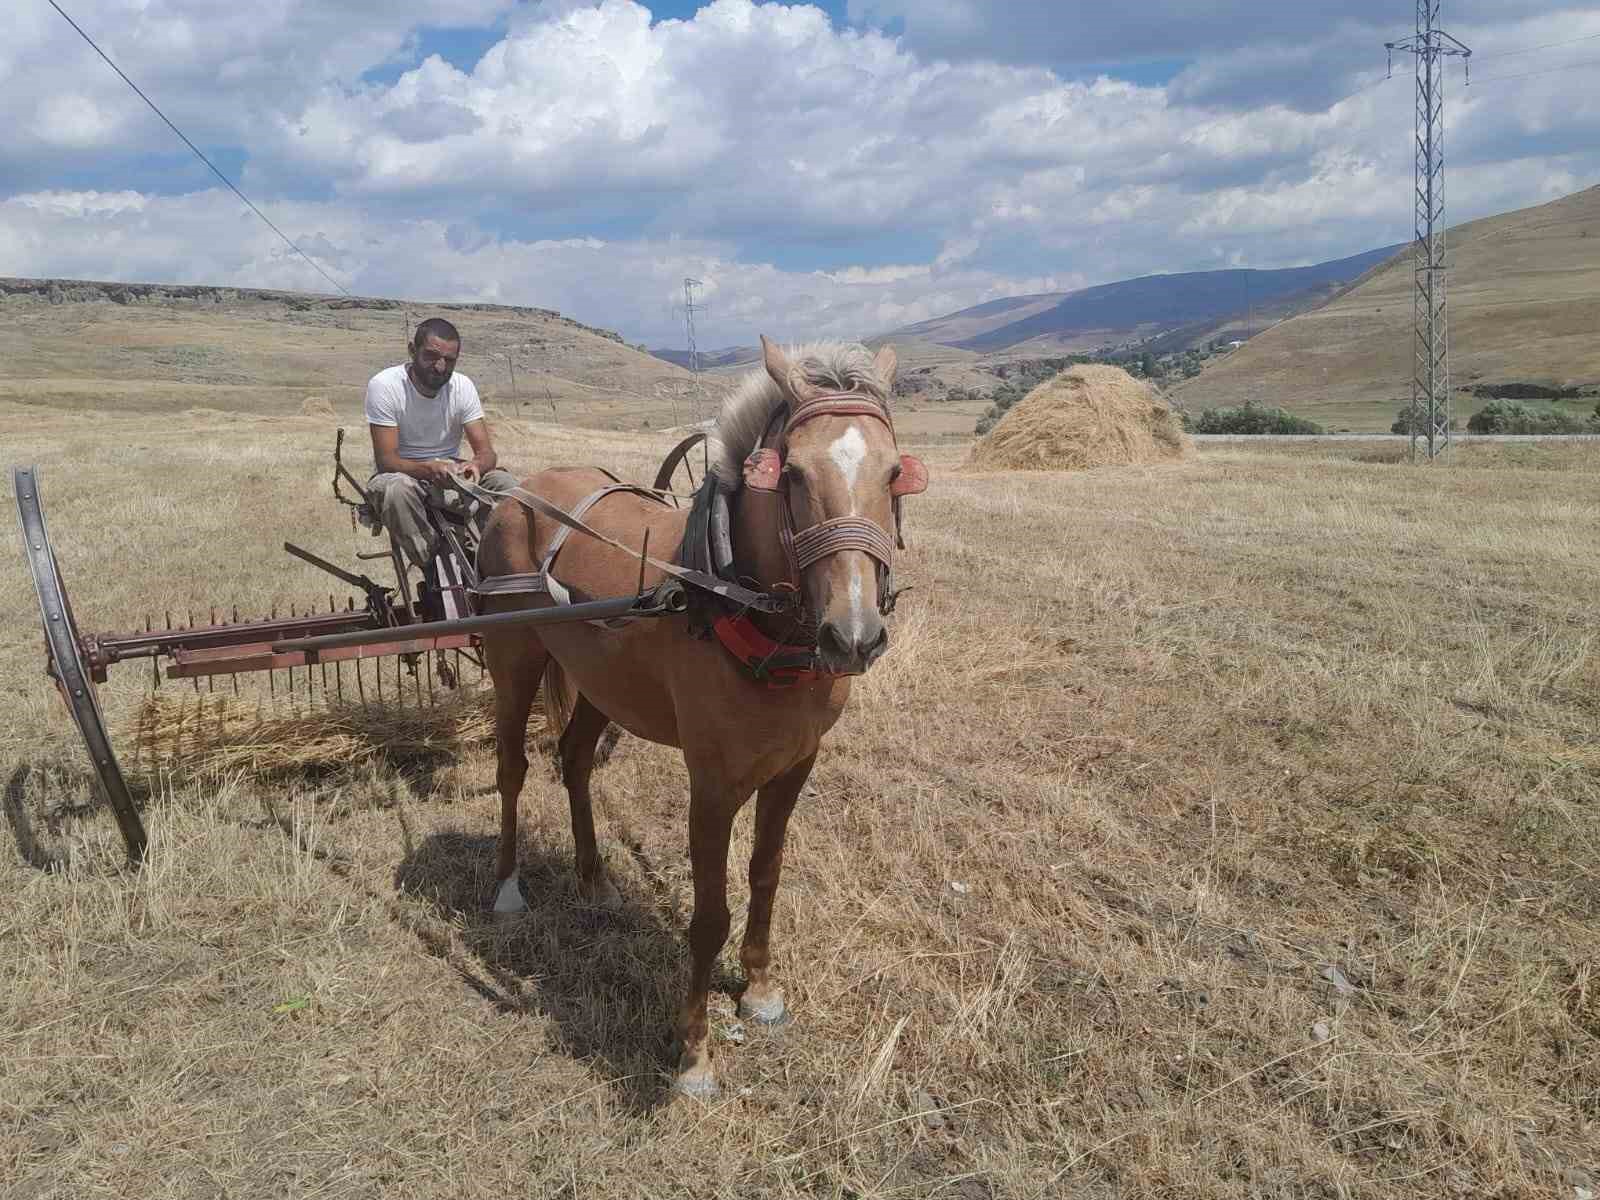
[{"x": 66, "y": 659}]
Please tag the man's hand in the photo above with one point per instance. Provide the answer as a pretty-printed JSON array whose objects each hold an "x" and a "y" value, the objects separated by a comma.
[
  {"x": 436, "y": 470},
  {"x": 468, "y": 471}
]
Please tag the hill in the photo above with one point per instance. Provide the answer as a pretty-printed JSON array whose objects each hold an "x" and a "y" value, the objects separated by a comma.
[
  {"x": 98, "y": 346},
  {"x": 713, "y": 360},
  {"x": 1185, "y": 308},
  {"x": 1524, "y": 305}
]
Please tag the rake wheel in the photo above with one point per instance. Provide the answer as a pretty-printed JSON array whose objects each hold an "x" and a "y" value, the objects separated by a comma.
[
  {"x": 66, "y": 663},
  {"x": 678, "y": 457}
]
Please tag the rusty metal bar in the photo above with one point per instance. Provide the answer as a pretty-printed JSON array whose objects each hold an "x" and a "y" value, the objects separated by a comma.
[{"x": 588, "y": 610}]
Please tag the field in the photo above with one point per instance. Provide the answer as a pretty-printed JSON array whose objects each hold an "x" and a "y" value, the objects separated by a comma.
[{"x": 1229, "y": 829}]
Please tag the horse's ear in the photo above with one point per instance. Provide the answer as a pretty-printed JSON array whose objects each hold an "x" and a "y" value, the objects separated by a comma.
[
  {"x": 884, "y": 364},
  {"x": 784, "y": 373},
  {"x": 912, "y": 479}
]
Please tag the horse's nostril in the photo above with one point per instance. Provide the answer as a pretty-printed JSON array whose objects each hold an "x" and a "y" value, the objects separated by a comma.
[{"x": 831, "y": 641}]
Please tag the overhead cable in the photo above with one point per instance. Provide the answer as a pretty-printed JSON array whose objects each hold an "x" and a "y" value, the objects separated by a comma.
[{"x": 287, "y": 240}]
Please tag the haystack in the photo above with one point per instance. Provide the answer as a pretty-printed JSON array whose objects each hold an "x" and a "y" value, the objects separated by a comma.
[
  {"x": 1087, "y": 416},
  {"x": 316, "y": 406}
]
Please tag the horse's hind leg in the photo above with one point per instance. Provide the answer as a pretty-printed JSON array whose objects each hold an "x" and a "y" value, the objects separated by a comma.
[
  {"x": 577, "y": 751},
  {"x": 762, "y": 1001},
  {"x": 516, "y": 661}
]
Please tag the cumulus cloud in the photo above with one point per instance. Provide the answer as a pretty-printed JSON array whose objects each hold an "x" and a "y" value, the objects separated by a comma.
[{"x": 821, "y": 179}]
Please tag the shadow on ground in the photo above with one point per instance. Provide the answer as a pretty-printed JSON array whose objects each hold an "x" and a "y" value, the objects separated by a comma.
[{"x": 609, "y": 982}]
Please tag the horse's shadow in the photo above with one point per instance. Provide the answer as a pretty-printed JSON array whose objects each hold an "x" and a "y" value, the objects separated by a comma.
[{"x": 606, "y": 981}]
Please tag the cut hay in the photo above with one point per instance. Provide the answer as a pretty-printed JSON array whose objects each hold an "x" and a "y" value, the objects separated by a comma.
[
  {"x": 1087, "y": 416},
  {"x": 316, "y": 406},
  {"x": 206, "y": 734}
]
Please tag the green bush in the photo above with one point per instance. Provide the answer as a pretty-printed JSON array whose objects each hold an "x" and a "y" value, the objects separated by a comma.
[
  {"x": 1513, "y": 416},
  {"x": 1248, "y": 418}
]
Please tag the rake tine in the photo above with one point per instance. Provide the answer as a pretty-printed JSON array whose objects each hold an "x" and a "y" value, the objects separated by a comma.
[
  {"x": 428, "y": 660},
  {"x": 361, "y": 686},
  {"x": 332, "y": 607},
  {"x": 169, "y": 618},
  {"x": 213, "y": 614},
  {"x": 416, "y": 679},
  {"x": 338, "y": 680}
]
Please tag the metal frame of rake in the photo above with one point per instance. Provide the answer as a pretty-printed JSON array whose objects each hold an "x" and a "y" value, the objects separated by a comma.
[{"x": 419, "y": 633}]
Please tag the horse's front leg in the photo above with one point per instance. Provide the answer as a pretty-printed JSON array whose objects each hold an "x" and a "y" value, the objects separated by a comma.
[
  {"x": 763, "y": 1000},
  {"x": 711, "y": 812}
]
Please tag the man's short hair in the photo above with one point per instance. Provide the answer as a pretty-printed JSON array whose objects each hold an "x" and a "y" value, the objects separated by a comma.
[{"x": 435, "y": 327}]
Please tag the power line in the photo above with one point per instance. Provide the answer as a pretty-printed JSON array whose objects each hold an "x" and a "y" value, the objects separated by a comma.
[
  {"x": 287, "y": 241},
  {"x": 1546, "y": 46},
  {"x": 1588, "y": 62},
  {"x": 1365, "y": 87}
]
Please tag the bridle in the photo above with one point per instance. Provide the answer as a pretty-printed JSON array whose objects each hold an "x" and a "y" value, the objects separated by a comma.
[{"x": 764, "y": 472}]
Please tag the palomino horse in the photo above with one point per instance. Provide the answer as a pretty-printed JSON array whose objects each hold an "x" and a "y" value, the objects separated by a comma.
[{"x": 821, "y": 505}]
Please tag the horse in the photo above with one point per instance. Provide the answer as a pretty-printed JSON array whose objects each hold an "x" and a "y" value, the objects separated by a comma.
[{"x": 806, "y": 455}]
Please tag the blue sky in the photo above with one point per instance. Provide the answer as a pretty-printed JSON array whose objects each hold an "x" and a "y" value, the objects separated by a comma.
[{"x": 837, "y": 168}]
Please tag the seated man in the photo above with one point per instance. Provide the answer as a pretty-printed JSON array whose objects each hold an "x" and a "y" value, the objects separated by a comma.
[{"x": 417, "y": 413}]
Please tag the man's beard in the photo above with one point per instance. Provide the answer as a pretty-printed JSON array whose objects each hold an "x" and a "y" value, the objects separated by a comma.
[{"x": 432, "y": 380}]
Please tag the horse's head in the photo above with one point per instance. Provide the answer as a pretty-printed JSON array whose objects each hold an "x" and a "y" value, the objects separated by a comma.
[{"x": 840, "y": 475}]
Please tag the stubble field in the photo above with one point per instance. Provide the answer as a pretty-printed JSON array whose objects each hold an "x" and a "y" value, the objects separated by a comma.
[{"x": 1222, "y": 830}]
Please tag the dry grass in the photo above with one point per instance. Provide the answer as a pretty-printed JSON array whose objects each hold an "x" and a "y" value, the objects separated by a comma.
[
  {"x": 1087, "y": 416},
  {"x": 1224, "y": 830},
  {"x": 176, "y": 733}
]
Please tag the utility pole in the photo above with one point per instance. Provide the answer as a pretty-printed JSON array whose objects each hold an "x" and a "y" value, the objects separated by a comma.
[
  {"x": 1430, "y": 376},
  {"x": 689, "y": 309}
]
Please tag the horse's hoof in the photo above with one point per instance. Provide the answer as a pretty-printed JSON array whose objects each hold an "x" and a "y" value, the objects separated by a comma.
[
  {"x": 508, "y": 901},
  {"x": 697, "y": 1085},
  {"x": 768, "y": 1011}
]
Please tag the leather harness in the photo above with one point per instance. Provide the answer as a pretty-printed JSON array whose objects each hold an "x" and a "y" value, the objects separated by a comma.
[{"x": 774, "y": 663}]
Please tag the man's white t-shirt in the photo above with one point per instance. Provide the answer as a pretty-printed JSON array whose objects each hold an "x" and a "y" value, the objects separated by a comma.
[{"x": 430, "y": 426}]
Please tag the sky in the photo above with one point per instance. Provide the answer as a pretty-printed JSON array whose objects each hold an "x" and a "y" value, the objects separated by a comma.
[{"x": 836, "y": 169}]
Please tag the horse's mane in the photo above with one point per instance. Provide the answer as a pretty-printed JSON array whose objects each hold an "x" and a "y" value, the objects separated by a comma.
[{"x": 837, "y": 366}]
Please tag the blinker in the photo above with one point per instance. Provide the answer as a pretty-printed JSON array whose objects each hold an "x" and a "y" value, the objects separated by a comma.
[
  {"x": 762, "y": 470},
  {"x": 913, "y": 477}
]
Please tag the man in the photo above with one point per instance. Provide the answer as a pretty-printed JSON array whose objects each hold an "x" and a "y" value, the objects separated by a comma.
[{"x": 417, "y": 413}]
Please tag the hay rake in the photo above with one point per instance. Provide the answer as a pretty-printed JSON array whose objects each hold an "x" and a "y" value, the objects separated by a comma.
[{"x": 429, "y": 635}]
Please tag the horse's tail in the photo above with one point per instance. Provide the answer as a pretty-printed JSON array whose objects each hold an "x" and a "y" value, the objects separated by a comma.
[{"x": 560, "y": 699}]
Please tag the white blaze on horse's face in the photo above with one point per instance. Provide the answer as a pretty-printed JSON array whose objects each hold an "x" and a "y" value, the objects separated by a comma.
[{"x": 847, "y": 452}]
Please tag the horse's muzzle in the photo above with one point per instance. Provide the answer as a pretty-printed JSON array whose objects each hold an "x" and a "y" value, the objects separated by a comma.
[{"x": 852, "y": 651}]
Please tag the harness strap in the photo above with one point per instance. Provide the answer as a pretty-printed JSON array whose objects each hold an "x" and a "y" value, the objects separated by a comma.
[
  {"x": 528, "y": 583},
  {"x": 769, "y": 662},
  {"x": 741, "y": 597},
  {"x": 558, "y": 591},
  {"x": 842, "y": 533}
]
